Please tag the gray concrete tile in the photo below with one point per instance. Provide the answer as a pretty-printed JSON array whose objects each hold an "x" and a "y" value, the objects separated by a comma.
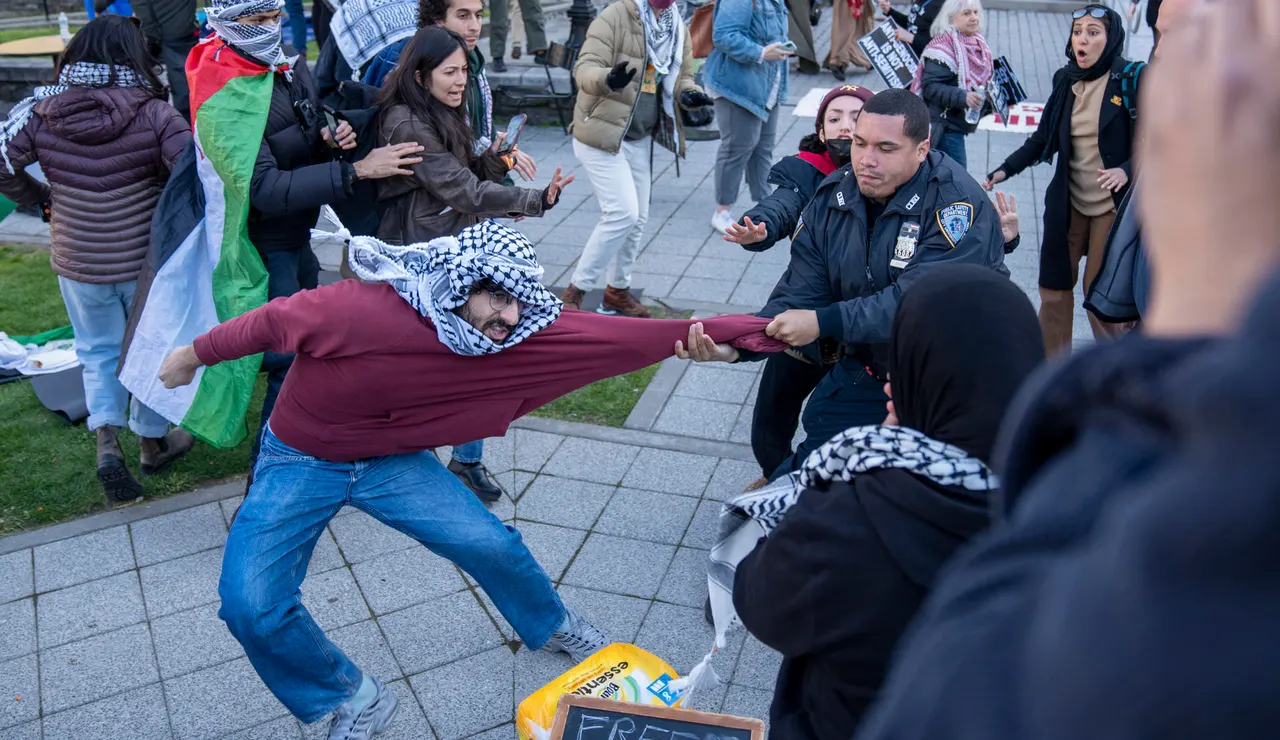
[
  {"x": 662, "y": 264},
  {"x": 589, "y": 460},
  {"x": 564, "y": 502},
  {"x": 89, "y": 609},
  {"x": 229, "y": 507},
  {"x": 400, "y": 579},
  {"x": 683, "y": 638},
  {"x": 29, "y": 731},
  {"x": 718, "y": 250},
  {"x": 486, "y": 602},
  {"x": 731, "y": 478},
  {"x": 17, "y": 628},
  {"x": 367, "y": 648},
  {"x": 715, "y": 268},
  {"x": 680, "y": 246},
  {"x": 552, "y": 547},
  {"x": 692, "y": 417},
  {"x": 438, "y": 632},
  {"x": 84, "y": 558},
  {"x": 755, "y": 295},
  {"x": 219, "y": 700},
  {"x": 19, "y": 691},
  {"x": 706, "y": 700},
  {"x": 180, "y": 584},
  {"x": 141, "y": 711},
  {"x": 177, "y": 534},
  {"x": 533, "y": 449},
  {"x": 686, "y": 580},
  {"x": 285, "y": 728},
  {"x": 667, "y": 471},
  {"x": 468, "y": 696},
  {"x": 654, "y": 285},
  {"x": 535, "y": 669},
  {"x": 597, "y": 565},
  {"x": 741, "y": 433},
  {"x": 705, "y": 528},
  {"x": 191, "y": 640},
  {"x": 334, "y": 600},
  {"x": 499, "y": 453},
  {"x": 504, "y": 732},
  {"x": 713, "y": 383},
  {"x": 325, "y": 556},
  {"x": 618, "y": 617},
  {"x": 704, "y": 289},
  {"x": 742, "y": 701},
  {"x": 758, "y": 666},
  {"x": 88, "y": 670},
  {"x": 361, "y": 538},
  {"x": 646, "y": 515},
  {"x": 16, "y": 581}
]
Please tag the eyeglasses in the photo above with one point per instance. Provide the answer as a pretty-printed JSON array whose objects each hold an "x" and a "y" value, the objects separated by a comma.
[
  {"x": 499, "y": 299},
  {"x": 1095, "y": 12}
]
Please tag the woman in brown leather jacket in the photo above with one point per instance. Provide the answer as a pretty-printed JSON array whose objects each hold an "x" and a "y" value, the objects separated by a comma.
[{"x": 454, "y": 186}]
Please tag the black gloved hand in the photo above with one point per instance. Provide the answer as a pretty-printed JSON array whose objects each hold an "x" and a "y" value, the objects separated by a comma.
[
  {"x": 695, "y": 99},
  {"x": 619, "y": 77}
]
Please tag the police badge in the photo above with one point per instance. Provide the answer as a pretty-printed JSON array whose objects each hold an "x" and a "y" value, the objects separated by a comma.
[
  {"x": 955, "y": 220},
  {"x": 905, "y": 249}
]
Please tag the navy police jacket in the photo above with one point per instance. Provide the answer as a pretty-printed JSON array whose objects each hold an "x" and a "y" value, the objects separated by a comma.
[{"x": 854, "y": 280}]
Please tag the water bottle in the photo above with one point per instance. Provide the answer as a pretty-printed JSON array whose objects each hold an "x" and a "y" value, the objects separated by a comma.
[{"x": 64, "y": 28}]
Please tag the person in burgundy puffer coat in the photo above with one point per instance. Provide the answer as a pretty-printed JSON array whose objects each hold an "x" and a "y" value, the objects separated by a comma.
[{"x": 106, "y": 139}]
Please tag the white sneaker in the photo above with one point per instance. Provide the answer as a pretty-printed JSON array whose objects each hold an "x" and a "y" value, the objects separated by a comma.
[
  {"x": 720, "y": 221},
  {"x": 580, "y": 640},
  {"x": 362, "y": 725}
]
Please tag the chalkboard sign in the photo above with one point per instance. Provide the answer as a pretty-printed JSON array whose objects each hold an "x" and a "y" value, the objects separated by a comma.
[
  {"x": 895, "y": 61},
  {"x": 590, "y": 718}
]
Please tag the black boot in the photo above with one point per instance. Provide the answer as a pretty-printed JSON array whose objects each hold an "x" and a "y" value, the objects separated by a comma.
[
  {"x": 475, "y": 477},
  {"x": 497, "y": 65},
  {"x": 117, "y": 481}
]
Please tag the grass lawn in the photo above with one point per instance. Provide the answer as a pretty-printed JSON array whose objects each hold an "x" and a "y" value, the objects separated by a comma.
[
  {"x": 47, "y": 473},
  {"x": 13, "y": 34}
]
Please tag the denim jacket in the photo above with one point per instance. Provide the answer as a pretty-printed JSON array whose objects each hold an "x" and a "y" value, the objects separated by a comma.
[{"x": 741, "y": 30}]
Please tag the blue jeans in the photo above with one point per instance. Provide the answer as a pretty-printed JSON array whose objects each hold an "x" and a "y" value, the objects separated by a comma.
[
  {"x": 469, "y": 453},
  {"x": 293, "y": 498},
  {"x": 99, "y": 312},
  {"x": 297, "y": 24},
  {"x": 847, "y": 397},
  {"x": 952, "y": 145}
]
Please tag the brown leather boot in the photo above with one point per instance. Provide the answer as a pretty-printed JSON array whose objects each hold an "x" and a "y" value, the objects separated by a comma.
[
  {"x": 117, "y": 482},
  {"x": 572, "y": 297},
  {"x": 620, "y": 300},
  {"x": 158, "y": 452}
]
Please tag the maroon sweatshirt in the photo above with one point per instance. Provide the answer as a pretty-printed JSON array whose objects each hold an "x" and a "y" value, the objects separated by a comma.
[{"x": 371, "y": 378}]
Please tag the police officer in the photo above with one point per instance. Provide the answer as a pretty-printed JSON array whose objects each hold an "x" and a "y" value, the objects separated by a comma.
[
  {"x": 873, "y": 227},
  {"x": 914, "y": 26}
]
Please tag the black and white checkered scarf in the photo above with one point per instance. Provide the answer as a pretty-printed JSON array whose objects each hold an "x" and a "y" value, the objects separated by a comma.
[
  {"x": 362, "y": 28},
  {"x": 262, "y": 43},
  {"x": 745, "y": 518},
  {"x": 436, "y": 278},
  {"x": 80, "y": 74}
]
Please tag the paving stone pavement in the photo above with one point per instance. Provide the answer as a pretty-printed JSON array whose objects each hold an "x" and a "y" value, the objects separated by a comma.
[{"x": 115, "y": 633}]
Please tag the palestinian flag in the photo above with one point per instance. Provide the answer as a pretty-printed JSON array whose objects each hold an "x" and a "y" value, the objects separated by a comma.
[{"x": 202, "y": 269}]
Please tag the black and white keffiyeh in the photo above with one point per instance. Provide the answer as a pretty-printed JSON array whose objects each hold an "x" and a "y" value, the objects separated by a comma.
[
  {"x": 80, "y": 74},
  {"x": 437, "y": 277},
  {"x": 262, "y": 43},
  {"x": 745, "y": 518},
  {"x": 362, "y": 28},
  {"x": 661, "y": 36}
]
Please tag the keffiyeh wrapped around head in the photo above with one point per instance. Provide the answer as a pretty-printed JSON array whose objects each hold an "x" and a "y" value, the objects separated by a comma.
[
  {"x": 362, "y": 28},
  {"x": 263, "y": 43},
  {"x": 437, "y": 277}
]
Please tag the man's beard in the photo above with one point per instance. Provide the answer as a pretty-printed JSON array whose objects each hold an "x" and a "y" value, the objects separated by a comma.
[{"x": 483, "y": 327}]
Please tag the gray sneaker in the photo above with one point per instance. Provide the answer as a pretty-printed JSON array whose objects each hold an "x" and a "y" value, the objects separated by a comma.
[
  {"x": 579, "y": 641},
  {"x": 349, "y": 725}
]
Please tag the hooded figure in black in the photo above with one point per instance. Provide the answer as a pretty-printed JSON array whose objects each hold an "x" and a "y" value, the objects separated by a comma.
[{"x": 836, "y": 584}]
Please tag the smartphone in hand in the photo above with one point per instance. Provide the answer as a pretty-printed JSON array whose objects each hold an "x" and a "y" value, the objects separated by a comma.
[
  {"x": 513, "y": 133},
  {"x": 788, "y": 45}
]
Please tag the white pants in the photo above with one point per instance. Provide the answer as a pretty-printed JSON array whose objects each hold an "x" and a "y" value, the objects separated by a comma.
[{"x": 621, "y": 182}]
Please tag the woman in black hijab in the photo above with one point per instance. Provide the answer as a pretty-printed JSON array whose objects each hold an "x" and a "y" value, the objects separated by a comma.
[
  {"x": 834, "y": 586},
  {"x": 1089, "y": 124}
]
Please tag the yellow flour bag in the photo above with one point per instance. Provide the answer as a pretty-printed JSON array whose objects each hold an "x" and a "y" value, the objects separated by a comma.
[{"x": 619, "y": 671}]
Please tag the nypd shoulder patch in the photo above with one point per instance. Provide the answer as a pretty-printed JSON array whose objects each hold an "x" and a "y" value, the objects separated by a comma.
[{"x": 955, "y": 220}]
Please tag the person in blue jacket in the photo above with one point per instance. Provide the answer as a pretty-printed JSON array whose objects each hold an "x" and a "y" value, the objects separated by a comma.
[{"x": 870, "y": 231}]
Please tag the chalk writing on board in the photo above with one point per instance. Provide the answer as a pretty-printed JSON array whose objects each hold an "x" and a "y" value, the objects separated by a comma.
[{"x": 592, "y": 718}]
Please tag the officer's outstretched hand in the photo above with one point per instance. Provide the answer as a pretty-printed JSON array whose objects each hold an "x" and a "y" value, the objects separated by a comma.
[
  {"x": 795, "y": 327},
  {"x": 747, "y": 232},
  {"x": 702, "y": 348}
]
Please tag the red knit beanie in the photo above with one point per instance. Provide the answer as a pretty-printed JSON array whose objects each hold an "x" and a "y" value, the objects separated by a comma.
[{"x": 857, "y": 91}]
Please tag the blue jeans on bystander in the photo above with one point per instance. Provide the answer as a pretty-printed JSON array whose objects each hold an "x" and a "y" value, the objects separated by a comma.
[{"x": 293, "y": 498}]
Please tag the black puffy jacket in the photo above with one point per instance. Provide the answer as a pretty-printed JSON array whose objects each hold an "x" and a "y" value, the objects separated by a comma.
[
  {"x": 295, "y": 172},
  {"x": 946, "y": 100},
  {"x": 796, "y": 181}
]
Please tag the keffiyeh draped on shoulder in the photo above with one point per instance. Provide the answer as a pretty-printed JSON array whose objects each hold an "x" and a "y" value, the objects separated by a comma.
[{"x": 362, "y": 28}]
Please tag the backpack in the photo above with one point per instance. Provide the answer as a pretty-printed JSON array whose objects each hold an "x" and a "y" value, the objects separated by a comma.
[
  {"x": 1129, "y": 87},
  {"x": 700, "y": 25}
]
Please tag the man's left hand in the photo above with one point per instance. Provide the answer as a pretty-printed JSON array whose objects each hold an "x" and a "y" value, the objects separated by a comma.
[
  {"x": 1113, "y": 179},
  {"x": 345, "y": 136},
  {"x": 523, "y": 165},
  {"x": 1007, "y": 207},
  {"x": 795, "y": 327},
  {"x": 702, "y": 348}
]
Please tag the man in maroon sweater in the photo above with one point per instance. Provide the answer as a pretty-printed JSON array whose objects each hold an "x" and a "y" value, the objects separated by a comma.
[{"x": 383, "y": 373}]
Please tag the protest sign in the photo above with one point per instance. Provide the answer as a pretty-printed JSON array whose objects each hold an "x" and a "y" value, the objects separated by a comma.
[
  {"x": 589, "y": 718},
  {"x": 895, "y": 61}
]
